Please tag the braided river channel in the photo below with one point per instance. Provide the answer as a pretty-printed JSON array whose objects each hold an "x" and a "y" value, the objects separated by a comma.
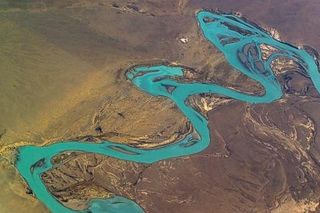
[{"x": 240, "y": 41}]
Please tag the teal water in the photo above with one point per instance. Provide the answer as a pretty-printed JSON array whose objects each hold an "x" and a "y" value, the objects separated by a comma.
[{"x": 239, "y": 41}]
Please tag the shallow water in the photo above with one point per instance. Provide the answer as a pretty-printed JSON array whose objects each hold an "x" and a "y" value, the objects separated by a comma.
[{"x": 239, "y": 41}]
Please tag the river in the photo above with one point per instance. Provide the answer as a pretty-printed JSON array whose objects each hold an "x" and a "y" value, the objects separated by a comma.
[{"x": 239, "y": 41}]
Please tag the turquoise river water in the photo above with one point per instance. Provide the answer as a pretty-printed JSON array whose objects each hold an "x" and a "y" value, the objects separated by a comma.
[{"x": 239, "y": 41}]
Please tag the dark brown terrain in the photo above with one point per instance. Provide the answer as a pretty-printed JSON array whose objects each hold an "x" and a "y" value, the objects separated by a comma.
[{"x": 262, "y": 158}]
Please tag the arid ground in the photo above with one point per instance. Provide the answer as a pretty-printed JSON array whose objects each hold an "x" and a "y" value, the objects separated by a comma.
[{"x": 62, "y": 66}]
